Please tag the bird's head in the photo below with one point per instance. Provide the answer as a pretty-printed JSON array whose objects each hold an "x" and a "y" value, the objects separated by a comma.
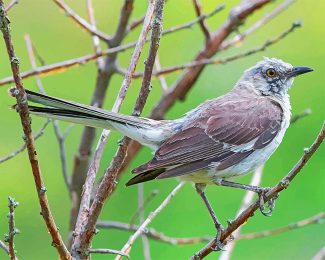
[{"x": 272, "y": 77}]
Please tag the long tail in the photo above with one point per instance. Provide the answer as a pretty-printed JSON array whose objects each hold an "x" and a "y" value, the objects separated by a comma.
[{"x": 146, "y": 131}]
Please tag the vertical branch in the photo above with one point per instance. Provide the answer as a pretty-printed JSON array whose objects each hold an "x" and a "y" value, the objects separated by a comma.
[
  {"x": 20, "y": 94},
  {"x": 87, "y": 217},
  {"x": 104, "y": 76},
  {"x": 12, "y": 204}
]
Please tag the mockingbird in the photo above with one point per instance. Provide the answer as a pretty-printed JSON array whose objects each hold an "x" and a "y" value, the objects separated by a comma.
[{"x": 221, "y": 139}]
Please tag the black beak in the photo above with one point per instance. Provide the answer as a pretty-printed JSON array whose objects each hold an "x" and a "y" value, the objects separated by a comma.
[{"x": 298, "y": 71}]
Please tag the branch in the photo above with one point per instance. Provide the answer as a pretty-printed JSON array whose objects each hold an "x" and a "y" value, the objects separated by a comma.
[
  {"x": 320, "y": 254},
  {"x": 108, "y": 251},
  {"x": 64, "y": 65},
  {"x": 303, "y": 114},
  {"x": 11, "y": 5},
  {"x": 87, "y": 218},
  {"x": 299, "y": 224},
  {"x": 82, "y": 22},
  {"x": 261, "y": 22},
  {"x": 127, "y": 247},
  {"x": 12, "y": 204},
  {"x": 202, "y": 23},
  {"x": 22, "y": 107},
  {"x": 4, "y": 247},
  {"x": 151, "y": 233},
  {"x": 249, "y": 211},
  {"x": 81, "y": 161},
  {"x": 23, "y": 147}
]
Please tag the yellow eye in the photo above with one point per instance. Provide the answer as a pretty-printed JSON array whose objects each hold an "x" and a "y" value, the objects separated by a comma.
[{"x": 271, "y": 73}]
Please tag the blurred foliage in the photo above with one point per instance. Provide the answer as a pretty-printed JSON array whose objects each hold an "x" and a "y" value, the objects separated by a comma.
[{"x": 57, "y": 38}]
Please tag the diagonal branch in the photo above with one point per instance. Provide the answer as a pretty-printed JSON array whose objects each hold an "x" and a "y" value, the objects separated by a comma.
[
  {"x": 204, "y": 26},
  {"x": 82, "y": 22},
  {"x": 12, "y": 204},
  {"x": 280, "y": 186},
  {"x": 20, "y": 94}
]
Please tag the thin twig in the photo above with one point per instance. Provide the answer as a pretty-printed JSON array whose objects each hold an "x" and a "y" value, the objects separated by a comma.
[
  {"x": 320, "y": 254},
  {"x": 4, "y": 247},
  {"x": 140, "y": 211},
  {"x": 95, "y": 38},
  {"x": 82, "y": 22},
  {"x": 127, "y": 247},
  {"x": 87, "y": 218},
  {"x": 134, "y": 24},
  {"x": 12, "y": 231},
  {"x": 58, "y": 135},
  {"x": 107, "y": 251},
  {"x": 64, "y": 65},
  {"x": 11, "y": 5},
  {"x": 204, "y": 26},
  {"x": 280, "y": 186},
  {"x": 38, "y": 134},
  {"x": 299, "y": 224},
  {"x": 248, "y": 198},
  {"x": 151, "y": 233},
  {"x": 224, "y": 61},
  {"x": 162, "y": 79},
  {"x": 20, "y": 94},
  {"x": 303, "y": 114}
]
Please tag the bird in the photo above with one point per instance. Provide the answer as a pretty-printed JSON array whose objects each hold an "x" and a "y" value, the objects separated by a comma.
[{"x": 221, "y": 139}]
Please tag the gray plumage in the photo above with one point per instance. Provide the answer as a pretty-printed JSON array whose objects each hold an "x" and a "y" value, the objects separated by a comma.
[{"x": 222, "y": 138}]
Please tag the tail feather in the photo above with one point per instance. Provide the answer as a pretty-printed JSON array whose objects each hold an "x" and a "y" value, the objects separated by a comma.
[{"x": 143, "y": 177}]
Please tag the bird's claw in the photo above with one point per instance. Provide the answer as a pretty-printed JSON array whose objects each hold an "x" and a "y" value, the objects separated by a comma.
[
  {"x": 270, "y": 204},
  {"x": 219, "y": 245}
]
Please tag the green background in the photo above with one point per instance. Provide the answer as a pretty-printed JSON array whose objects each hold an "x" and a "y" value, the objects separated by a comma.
[{"x": 57, "y": 38}]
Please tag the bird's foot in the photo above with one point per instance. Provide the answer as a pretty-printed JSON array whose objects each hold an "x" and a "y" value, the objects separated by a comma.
[
  {"x": 266, "y": 211},
  {"x": 219, "y": 245}
]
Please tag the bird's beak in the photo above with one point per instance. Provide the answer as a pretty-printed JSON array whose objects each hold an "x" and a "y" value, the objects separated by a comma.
[{"x": 298, "y": 71}]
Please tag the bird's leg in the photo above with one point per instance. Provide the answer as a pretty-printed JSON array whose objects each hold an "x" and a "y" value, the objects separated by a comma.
[
  {"x": 200, "y": 190},
  {"x": 261, "y": 191}
]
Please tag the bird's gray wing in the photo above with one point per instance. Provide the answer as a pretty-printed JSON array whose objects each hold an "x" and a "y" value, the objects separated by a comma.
[{"x": 225, "y": 133}]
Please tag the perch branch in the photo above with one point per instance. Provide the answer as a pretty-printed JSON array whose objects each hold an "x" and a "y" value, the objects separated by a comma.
[
  {"x": 12, "y": 204},
  {"x": 127, "y": 247},
  {"x": 249, "y": 211},
  {"x": 64, "y": 65},
  {"x": 20, "y": 94},
  {"x": 82, "y": 22}
]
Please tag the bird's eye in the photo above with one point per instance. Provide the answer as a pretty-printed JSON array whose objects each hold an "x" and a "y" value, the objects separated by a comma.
[{"x": 271, "y": 73}]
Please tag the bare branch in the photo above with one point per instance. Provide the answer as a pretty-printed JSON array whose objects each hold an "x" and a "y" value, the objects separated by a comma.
[
  {"x": 320, "y": 254},
  {"x": 23, "y": 147},
  {"x": 87, "y": 217},
  {"x": 127, "y": 247},
  {"x": 11, "y": 5},
  {"x": 4, "y": 247},
  {"x": 303, "y": 114},
  {"x": 281, "y": 185},
  {"x": 82, "y": 22},
  {"x": 12, "y": 204},
  {"x": 95, "y": 38},
  {"x": 134, "y": 24},
  {"x": 20, "y": 94},
  {"x": 59, "y": 136},
  {"x": 299, "y": 224},
  {"x": 108, "y": 251},
  {"x": 204, "y": 26},
  {"x": 264, "y": 20},
  {"x": 153, "y": 234},
  {"x": 161, "y": 78},
  {"x": 64, "y": 65}
]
